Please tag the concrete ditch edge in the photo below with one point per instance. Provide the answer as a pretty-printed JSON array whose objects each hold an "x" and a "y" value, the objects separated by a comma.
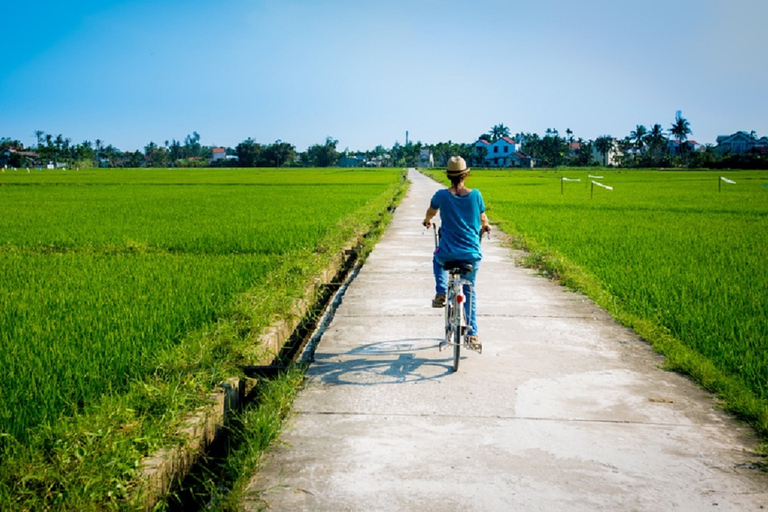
[{"x": 161, "y": 469}]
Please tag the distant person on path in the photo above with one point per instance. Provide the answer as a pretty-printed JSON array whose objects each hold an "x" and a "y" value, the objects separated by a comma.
[{"x": 463, "y": 222}]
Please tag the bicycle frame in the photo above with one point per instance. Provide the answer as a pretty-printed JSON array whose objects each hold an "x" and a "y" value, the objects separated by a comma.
[{"x": 456, "y": 316}]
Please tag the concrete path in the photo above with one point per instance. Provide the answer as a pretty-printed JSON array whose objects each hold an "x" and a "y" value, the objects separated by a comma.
[{"x": 564, "y": 409}]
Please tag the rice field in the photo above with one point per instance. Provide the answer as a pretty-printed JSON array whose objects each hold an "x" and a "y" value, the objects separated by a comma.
[
  {"x": 105, "y": 270},
  {"x": 684, "y": 251}
]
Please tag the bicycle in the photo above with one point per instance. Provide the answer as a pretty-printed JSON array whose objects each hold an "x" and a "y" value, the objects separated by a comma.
[{"x": 456, "y": 316}]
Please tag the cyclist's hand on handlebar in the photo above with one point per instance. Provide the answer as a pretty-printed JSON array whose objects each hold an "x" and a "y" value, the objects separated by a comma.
[
  {"x": 426, "y": 223},
  {"x": 485, "y": 229}
]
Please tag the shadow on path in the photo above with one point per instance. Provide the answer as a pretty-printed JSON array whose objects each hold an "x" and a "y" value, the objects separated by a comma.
[{"x": 384, "y": 362}]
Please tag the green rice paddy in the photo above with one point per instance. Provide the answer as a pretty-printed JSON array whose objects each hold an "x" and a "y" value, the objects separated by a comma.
[
  {"x": 676, "y": 255},
  {"x": 105, "y": 270}
]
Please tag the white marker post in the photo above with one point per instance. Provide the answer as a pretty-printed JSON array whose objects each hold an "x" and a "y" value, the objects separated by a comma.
[
  {"x": 564, "y": 179},
  {"x": 592, "y": 190},
  {"x": 721, "y": 180}
]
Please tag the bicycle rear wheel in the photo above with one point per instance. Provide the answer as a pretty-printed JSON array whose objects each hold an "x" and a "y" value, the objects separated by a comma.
[
  {"x": 452, "y": 329},
  {"x": 456, "y": 345}
]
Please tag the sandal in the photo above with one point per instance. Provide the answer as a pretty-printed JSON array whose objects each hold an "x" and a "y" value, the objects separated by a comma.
[
  {"x": 438, "y": 301},
  {"x": 474, "y": 342}
]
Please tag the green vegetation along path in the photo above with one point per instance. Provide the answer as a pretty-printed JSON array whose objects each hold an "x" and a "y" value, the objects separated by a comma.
[{"x": 563, "y": 410}]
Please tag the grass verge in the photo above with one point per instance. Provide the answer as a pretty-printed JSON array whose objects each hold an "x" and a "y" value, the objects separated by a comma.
[{"x": 221, "y": 484}]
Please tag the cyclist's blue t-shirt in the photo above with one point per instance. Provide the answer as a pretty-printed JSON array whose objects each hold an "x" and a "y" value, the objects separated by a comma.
[{"x": 460, "y": 225}]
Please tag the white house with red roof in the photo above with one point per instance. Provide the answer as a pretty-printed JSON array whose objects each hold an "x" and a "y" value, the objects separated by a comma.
[
  {"x": 218, "y": 154},
  {"x": 504, "y": 152}
]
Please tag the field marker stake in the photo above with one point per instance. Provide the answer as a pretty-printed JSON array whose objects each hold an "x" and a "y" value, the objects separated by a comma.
[
  {"x": 721, "y": 180},
  {"x": 586, "y": 184},
  {"x": 592, "y": 190},
  {"x": 564, "y": 179}
]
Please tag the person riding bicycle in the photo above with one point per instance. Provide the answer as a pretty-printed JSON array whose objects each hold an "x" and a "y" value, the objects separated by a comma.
[{"x": 463, "y": 221}]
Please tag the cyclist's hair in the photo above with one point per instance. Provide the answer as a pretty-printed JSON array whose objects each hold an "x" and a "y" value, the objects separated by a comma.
[{"x": 455, "y": 180}]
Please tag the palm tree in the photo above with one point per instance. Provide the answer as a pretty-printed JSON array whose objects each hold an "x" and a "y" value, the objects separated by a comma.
[
  {"x": 656, "y": 142},
  {"x": 498, "y": 131},
  {"x": 639, "y": 136},
  {"x": 681, "y": 129},
  {"x": 604, "y": 145}
]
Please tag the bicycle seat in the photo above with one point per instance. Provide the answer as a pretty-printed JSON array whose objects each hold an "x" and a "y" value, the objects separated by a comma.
[{"x": 458, "y": 267}]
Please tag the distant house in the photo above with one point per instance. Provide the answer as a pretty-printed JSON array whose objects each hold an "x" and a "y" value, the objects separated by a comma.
[
  {"x": 351, "y": 161},
  {"x": 612, "y": 157},
  {"x": 504, "y": 152},
  {"x": 689, "y": 145},
  {"x": 520, "y": 159},
  {"x": 426, "y": 159},
  {"x": 739, "y": 143},
  {"x": 18, "y": 158},
  {"x": 218, "y": 154}
]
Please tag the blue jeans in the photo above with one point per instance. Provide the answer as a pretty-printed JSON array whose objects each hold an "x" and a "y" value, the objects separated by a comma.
[{"x": 441, "y": 282}]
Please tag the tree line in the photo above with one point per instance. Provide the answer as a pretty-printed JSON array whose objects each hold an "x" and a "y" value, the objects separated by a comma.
[
  {"x": 642, "y": 147},
  {"x": 59, "y": 150}
]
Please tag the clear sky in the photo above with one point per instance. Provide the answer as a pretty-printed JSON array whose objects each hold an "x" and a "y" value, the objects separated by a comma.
[{"x": 363, "y": 72}]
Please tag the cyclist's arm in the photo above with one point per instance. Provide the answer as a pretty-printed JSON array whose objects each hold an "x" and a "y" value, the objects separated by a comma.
[
  {"x": 485, "y": 226},
  {"x": 427, "y": 222}
]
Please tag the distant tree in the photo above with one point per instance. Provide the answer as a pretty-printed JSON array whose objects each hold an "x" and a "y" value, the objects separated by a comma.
[
  {"x": 530, "y": 143},
  {"x": 85, "y": 155},
  {"x": 325, "y": 155},
  {"x": 550, "y": 150},
  {"x": 708, "y": 157},
  {"x": 657, "y": 152},
  {"x": 498, "y": 131},
  {"x": 135, "y": 159},
  {"x": 583, "y": 155},
  {"x": 154, "y": 156},
  {"x": 481, "y": 153},
  {"x": 248, "y": 152},
  {"x": 174, "y": 151},
  {"x": 191, "y": 146},
  {"x": 278, "y": 154},
  {"x": 604, "y": 145},
  {"x": 681, "y": 129},
  {"x": 626, "y": 149},
  {"x": 638, "y": 135}
]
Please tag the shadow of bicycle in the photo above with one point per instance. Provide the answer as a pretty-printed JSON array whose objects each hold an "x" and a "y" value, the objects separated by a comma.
[{"x": 384, "y": 362}]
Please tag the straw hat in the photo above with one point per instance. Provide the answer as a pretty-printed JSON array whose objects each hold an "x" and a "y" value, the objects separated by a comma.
[{"x": 457, "y": 167}]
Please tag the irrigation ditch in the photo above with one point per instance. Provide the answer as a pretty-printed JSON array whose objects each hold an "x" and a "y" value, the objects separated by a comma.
[{"x": 179, "y": 478}]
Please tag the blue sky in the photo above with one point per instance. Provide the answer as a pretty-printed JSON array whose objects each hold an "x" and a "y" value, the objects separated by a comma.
[{"x": 130, "y": 72}]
